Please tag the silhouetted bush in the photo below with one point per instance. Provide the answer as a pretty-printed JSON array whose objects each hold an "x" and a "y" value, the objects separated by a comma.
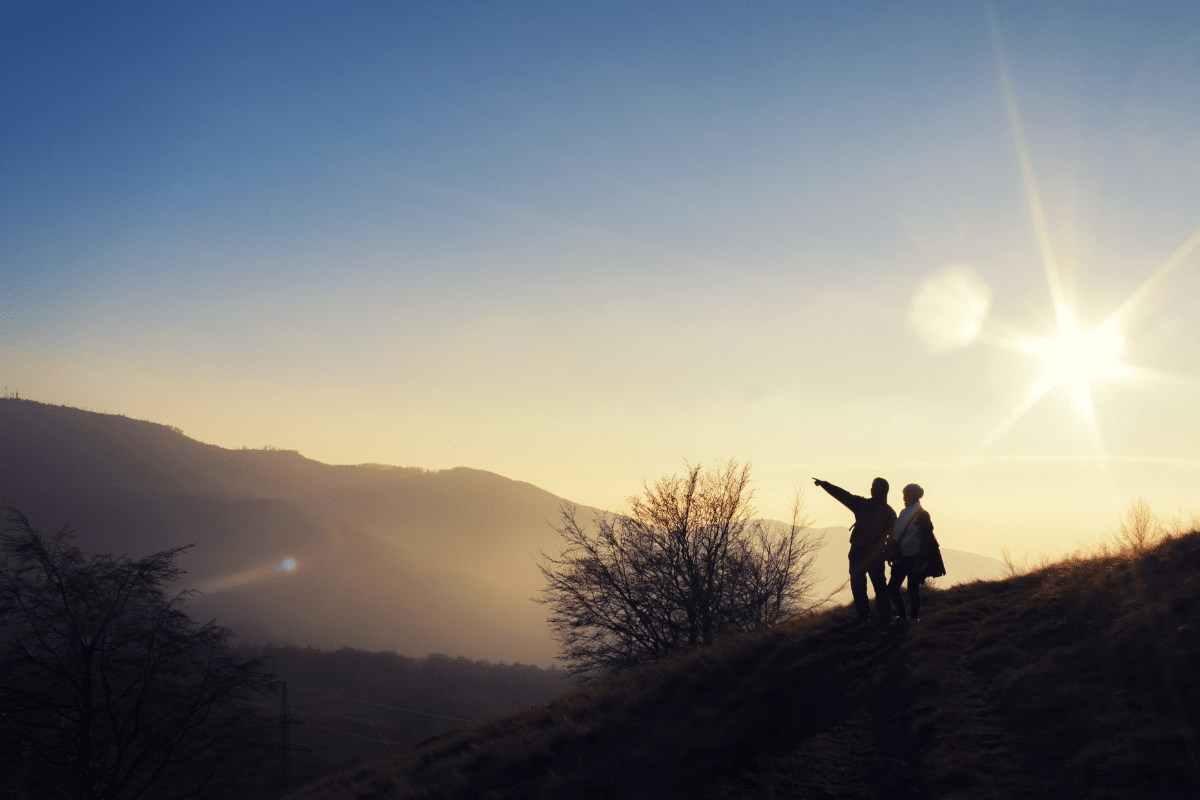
[
  {"x": 109, "y": 690},
  {"x": 685, "y": 565}
]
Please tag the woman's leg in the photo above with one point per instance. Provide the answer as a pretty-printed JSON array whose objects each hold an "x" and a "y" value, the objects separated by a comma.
[
  {"x": 914, "y": 587},
  {"x": 894, "y": 586}
]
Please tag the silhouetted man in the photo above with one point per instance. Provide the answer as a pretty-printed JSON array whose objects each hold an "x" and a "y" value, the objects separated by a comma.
[{"x": 873, "y": 523}]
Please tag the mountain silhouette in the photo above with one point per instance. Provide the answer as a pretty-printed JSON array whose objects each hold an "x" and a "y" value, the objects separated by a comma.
[{"x": 386, "y": 558}]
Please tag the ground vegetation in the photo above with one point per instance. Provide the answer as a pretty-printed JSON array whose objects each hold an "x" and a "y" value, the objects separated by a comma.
[{"x": 1075, "y": 680}]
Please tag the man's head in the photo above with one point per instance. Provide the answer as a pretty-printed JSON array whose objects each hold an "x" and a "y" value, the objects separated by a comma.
[{"x": 879, "y": 488}]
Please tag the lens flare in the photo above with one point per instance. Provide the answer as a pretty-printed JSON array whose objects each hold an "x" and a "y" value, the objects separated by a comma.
[
  {"x": 949, "y": 309},
  {"x": 259, "y": 573}
]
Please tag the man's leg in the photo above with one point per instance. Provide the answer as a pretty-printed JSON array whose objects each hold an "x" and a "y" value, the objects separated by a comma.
[
  {"x": 898, "y": 573},
  {"x": 879, "y": 581},
  {"x": 858, "y": 586}
]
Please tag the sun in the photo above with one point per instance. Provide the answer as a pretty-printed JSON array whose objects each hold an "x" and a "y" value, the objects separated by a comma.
[{"x": 1076, "y": 358}]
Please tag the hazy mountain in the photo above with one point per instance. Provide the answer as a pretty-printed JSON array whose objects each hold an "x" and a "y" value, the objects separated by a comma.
[{"x": 387, "y": 558}]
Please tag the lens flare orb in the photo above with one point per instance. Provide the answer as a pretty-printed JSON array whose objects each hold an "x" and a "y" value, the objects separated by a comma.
[
  {"x": 287, "y": 565},
  {"x": 949, "y": 309}
]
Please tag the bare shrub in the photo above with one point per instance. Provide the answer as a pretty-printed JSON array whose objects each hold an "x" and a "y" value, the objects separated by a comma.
[
  {"x": 1139, "y": 526},
  {"x": 1026, "y": 564},
  {"x": 685, "y": 565},
  {"x": 1184, "y": 522},
  {"x": 1011, "y": 568}
]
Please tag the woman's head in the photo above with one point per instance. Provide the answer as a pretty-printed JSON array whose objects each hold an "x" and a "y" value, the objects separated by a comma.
[{"x": 912, "y": 493}]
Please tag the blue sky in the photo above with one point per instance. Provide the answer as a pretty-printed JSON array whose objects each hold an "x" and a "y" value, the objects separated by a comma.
[{"x": 575, "y": 243}]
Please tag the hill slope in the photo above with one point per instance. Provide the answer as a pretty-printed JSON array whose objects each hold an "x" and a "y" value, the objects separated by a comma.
[{"x": 1079, "y": 680}]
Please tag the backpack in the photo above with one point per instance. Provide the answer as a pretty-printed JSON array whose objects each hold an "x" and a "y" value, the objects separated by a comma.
[{"x": 934, "y": 566}]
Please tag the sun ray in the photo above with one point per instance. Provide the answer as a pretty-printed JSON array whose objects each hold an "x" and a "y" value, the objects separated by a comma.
[
  {"x": 1143, "y": 291},
  {"x": 1036, "y": 392},
  {"x": 1040, "y": 226},
  {"x": 1180, "y": 463},
  {"x": 1001, "y": 335},
  {"x": 1164, "y": 378},
  {"x": 1100, "y": 451}
]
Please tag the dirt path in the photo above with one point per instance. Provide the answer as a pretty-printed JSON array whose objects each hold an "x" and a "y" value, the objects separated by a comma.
[{"x": 887, "y": 704}]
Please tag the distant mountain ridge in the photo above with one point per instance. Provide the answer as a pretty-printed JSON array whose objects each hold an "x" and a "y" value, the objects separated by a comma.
[{"x": 387, "y": 558}]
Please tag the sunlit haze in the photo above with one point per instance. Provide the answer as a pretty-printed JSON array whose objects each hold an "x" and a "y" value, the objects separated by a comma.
[{"x": 577, "y": 243}]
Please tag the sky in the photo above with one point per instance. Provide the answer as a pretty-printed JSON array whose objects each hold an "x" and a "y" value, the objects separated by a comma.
[{"x": 577, "y": 244}]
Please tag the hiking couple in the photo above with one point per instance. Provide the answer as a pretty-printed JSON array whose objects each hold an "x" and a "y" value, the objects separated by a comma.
[{"x": 878, "y": 535}]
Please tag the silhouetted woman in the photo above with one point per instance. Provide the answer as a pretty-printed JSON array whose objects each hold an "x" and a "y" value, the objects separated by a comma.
[{"x": 913, "y": 543}]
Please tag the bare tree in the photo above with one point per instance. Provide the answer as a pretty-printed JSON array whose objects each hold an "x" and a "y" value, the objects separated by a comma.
[
  {"x": 109, "y": 690},
  {"x": 686, "y": 564},
  {"x": 1139, "y": 526}
]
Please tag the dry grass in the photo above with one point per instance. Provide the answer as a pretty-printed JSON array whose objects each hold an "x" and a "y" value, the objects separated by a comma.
[{"x": 1076, "y": 679}]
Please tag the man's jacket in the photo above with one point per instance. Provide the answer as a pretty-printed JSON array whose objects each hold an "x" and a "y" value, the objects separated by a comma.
[{"x": 874, "y": 519}]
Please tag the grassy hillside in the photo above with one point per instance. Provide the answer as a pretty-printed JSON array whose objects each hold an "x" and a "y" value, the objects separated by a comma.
[{"x": 1081, "y": 679}]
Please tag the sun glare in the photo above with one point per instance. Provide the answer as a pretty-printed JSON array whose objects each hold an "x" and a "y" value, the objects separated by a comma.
[{"x": 1075, "y": 358}]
